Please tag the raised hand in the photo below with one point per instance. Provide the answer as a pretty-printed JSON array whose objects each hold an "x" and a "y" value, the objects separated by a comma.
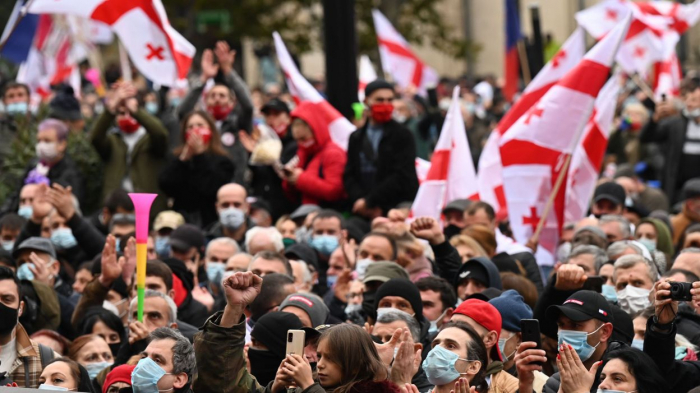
[
  {"x": 209, "y": 69},
  {"x": 665, "y": 308},
  {"x": 203, "y": 296},
  {"x": 406, "y": 362},
  {"x": 241, "y": 288},
  {"x": 41, "y": 206},
  {"x": 130, "y": 258},
  {"x": 462, "y": 386},
  {"x": 298, "y": 369},
  {"x": 137, "y": 332},
  {"x": 225, "y": 55},
  {"x": 525, "y": 358},
  {"x": 570, "y": 278},
  {"x": 112, "y": 267},
  {"x": 575, "y": 378},
  {"x": 41, "y": 270},
  {"x": 62, "y": 199},
  {"x": 427, "y": 228},
  {"x": 342, "y": 285},
  {"x": 386, "y": 351}
]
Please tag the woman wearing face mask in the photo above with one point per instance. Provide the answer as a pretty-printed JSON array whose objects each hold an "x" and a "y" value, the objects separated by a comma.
[
  {"x": 66, "y": 375},
  {"x": 200, "y": 166},
  {"x": 624, "y": 370},
  {"x": 655, "y": 236},
  {"x": 101, "y": 322},
  {"x": 624, "y": 146},
  {"x": 132, "y": 145},
  {"x": 318, "y": 176},
  {"x": 92, "y": 352}
]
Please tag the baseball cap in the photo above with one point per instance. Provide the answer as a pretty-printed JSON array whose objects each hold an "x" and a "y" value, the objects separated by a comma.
[
  {"x": 384, "y": 271},
  {"x": 457, "y": 204},
  {"x": 36, "y": 244},
  {"x": 582, "y": 306},
  {"x": 303, "y": 211},
  {"x": 691, "y": 189},
  {"x": 484, "y": 314},
  {"x": 168, "y": 219},
  {"x": 187, "y": 236},
  {"x": 275, "y": 104},
  {"x": 312, "y": 304},
  {"x": 610, "y": 191}
]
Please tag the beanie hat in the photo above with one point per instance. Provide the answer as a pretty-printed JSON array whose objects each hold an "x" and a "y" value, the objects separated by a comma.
[
  {"x": 312, "y": 304},
  {"x": 271, "y": 330},
  {"x": 118, "y": 374},
  {"x": 65, "y": 106},
  {"x": 512, "y": 308},
  {"x": 402, "y": 288},
  {"x": 376, "y": 85}
]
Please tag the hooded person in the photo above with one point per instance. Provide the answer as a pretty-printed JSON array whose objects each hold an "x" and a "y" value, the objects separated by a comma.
[
  {"x": 318, "y": 177},
  {"x": 475, "y": 275},
  {"x": 656, "y": 239}
]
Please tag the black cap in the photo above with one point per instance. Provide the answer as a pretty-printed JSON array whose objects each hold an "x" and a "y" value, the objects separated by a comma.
[
  {"x": 377, "y": 84},
  {"x": 691, "y": 189},
  {"x": 187, "y": 236},
  {"x": 610, "y": 191},
  {"x": 458, "y": 204},
  {"x": 486, "y": 295},
  {"x": 259, "y": 204},
  {"x": 36, "y": 244},
  {"x": 302, "y": 252},
  {"x": 275, "y": 104},
  {"x": 64, "y": 105},
  {"x": 506, "y": 263},
  {"x": 272, "y": 327},
  {"x": 474, "y": 270},
  {"x": 582, "y": 306}
]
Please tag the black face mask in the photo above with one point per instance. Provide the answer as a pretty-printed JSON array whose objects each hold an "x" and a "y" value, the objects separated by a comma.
[
  {"x": 8, "y": 319},
  {"x": 114, "y": 348},
  {"x": 368, "y": 299},
  {"x": 263, "y": 365},
  {"x": 451, "y": 230}
]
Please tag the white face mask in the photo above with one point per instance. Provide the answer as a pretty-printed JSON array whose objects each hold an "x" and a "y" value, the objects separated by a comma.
[
  {"x": 361, "y": 267},
  {"x": 46, "y": 150},
  {"x": 632, "y": 299}
]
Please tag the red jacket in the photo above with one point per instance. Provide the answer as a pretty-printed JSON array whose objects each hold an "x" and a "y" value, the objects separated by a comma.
[{"x": 323, "y": 163}]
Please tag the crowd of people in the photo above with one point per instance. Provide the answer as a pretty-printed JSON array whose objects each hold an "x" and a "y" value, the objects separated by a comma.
[{"x": 263, "y": 224}]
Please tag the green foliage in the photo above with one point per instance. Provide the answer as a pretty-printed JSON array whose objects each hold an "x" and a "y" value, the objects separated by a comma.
[
  {"x": 90, "y": 166},
  {"x": 22, "y": 151}
]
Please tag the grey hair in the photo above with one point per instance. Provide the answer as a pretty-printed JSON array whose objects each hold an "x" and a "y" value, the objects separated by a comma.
[
  {"x": 690, "y": 250},
  {"x": 274, "y": 235},
  {"x": 223, "y": 240},
  {"x": 622, "y": 221},
  {"x": 398, "y": 315},
  {"x": 183, "y": 352},
  {"x": 598, "y": 254},
  {"x": 618, "y": 248},
  {"x": 627, "y": 261},
  {"x": 305, "y": 272},
  {"x": 151, "y": 293}
]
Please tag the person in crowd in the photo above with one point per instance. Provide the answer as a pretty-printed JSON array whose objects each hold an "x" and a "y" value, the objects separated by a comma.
[
  {"x": 380, "y": 170},
  {"x": 651, "y": 198},
  {"x": 117, "y": 202},
  {"x": 318, "y": 176},
  {"x": 608, "y": 198},
  {"x": 53, "y": 340},
  {"x": 401, "y": 294},
  {"x": 233, "y": 209},
  {"x": 217, "y": 252},
  {"x": 259, "y": 239},
  {"x": 655, "y": 236},
  {"x": 267, "y": 262},
  {"x": 589, "y": 258},
  {"x": 10, "y": 226},
  {"x": 26, "y": 197},
  {"x": 65, "y": 374},
  {"x": 238, "y": 263},
  {"x": 475, "y": 275},
  {"x": 187, "y": 245},
  {"x": 326, "y": 234},
  {"x": 165, "y": 223},
  {"x": 288, "y": 228},
  {"x": 634, "y": 276},
  {"x": 687, "y": 259},
  {"x": 91, "y": 352},
  {"x": 228, "y": 102},
  {"x": 309, "y": 308},
  {"x": 134, "y": 153},
  {"x": 167, "y": 363},
  {"x": 623, "y": 145},
  {"x": 676, "y": 133},
  {"x": 15, "y": 100},
  {"x": 439, "y": 301},
  {"x": 303, "y": 279},
  {"x": 199, "y": 167},
  {"x": 616, "y": 227},
  {"x": 118, "y": 378},
  {"x": 104, "y": 323},
  {"x": 467, "y": 247},
  {"x": 275, "y": 289},
  {"x": 512, "y": 308},
  {"x": 690, "y": 212},
  {"x": 454, "y": 216}
]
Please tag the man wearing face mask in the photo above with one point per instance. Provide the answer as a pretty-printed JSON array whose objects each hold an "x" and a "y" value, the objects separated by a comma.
[
  {"x": 380, "y": 171},
  {"x": 513, "y": 309},
  {"x": 233, "y": 209},
  {"x": 167, "y": 364},
  {"x": 132, "y": 145},
  {"x": 15, "y": 98},
  {"x": 679, "y": 136},
  {"x": 634, "y": 276}
]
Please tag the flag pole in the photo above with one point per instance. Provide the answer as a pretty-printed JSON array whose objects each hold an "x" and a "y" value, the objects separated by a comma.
[
  {"x": 124, "y": 62},
  {"x": 642, "y": 85},
  {"x": 522, "y": 54},
  {"x": 550, "y": 201}
]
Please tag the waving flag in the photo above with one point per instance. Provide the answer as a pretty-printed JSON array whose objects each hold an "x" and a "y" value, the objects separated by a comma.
[
  {"x": 451, "y": 175},
  {"x": 667, "y": 77},
  {"x": 536, "y": 148},
  {"x": 367, "y": 75},
  {"x": 512, "y": 62},
  {"x": 490, "y": 178},
  {"x": 155, "y": 47},
  {"x": 339, "y": 127},
  {"x": 588, "y": 156},
  {"x": 18, "y": 35},
  {"x": 398, "y": 60}
]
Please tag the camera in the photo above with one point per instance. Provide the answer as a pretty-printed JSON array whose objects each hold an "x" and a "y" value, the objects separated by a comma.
[
  {"x": 681, "y": 291},
  {"x": 290, "y": 337}
]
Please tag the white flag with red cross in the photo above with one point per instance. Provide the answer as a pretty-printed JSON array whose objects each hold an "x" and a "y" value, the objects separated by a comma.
[
  {"x": 536, "y": 148},
  {"x": 451, "y": 175},
  {"x": 398, "y": 60},
  {"x": 339, "y": 127},
  {"x": 159, "y": 52},
  {"x": 367, "y": 75},
  {"x": 490, "y": 179},
  {"x": 667, "y": 78},
  {"x": 588, "y": 156}
]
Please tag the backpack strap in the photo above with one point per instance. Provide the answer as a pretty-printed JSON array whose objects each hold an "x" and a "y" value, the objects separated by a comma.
[{"x": 46, "y": 355}]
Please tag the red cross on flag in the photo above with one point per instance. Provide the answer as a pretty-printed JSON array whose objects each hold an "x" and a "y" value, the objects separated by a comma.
[
  {"x": 490, "y": 179},
  {"x": 588, "y": 156},
  {"x": 398, "y": 60},
  {"x": 339, "y": 127},
  {"x": 156, "y": 48},
  {"x": 667, "y": 77},
  {"x": 534, "y": 155},
  {"x": 451, "y": 175},
  {"x": 367, "y": 75}
]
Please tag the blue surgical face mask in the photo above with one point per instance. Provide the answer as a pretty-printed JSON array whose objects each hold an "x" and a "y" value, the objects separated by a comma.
[
  {"x": 215, "y": 271},
  {"x": 24, "y": 273},
  {"x": 94, "y": 368},
  {"x": 648, "y": 243},
  {"x": 637, "y": 343},
  {"x": 175, "y": 101},
  {"x": 63, "y": 238},
  {"x": 434, "y": 324},
  {"x": 25, "y": 211},
  {"x": 44, "y": 386},
  {"x": 331, "y": 280},
  {"x": 325, "y": 244},
  {"x": 151, "y": 107},
  {"x": 613, "y": 391},
  {"x": 163, "y": 246},
  {"x": 502, "y": 346},
  {"x": 7, "y": 245},
  {"x": 681, "y": 353},
  {"x": 145, "y": 377},
  {"x": 579, "y": 342},
  {"x": 609, "y": 293},
  {"x": 232, "y": 218},
  {"x": 17, "y": 108},
  {"x": 439, "y": 366}
]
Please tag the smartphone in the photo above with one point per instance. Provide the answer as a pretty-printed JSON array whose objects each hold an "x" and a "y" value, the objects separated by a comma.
[
  {"x": 295, "y": 342},
  {"x": 663, "y": 97},
  {"x": 530, "y": 330},
  {"x": 594, "y": 283}
]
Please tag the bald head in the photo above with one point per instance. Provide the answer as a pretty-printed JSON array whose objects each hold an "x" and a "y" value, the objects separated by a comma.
[
  {"x": 232, "y": 195},
  {"x": 688, "y": 260}
]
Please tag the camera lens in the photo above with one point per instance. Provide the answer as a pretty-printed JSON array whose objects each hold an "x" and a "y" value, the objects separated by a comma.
[{"x": 289, "y": 337}]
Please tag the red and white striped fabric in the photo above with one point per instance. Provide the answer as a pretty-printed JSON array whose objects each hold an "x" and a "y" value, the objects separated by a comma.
[
  {"x": 667, "y": 77},
  {"x": 422, "y": 169},
  {"x": 451, "y": 175},
  {"x": 398, "y": 60},
  {"x": 536, "y": 147},
  {"x": 367, "y": 75},
  {"x": 156, "y": 48},
  {"x": 588, "y": 156},
  {"x": 490, "y": 179},
  {"x": 339, "y": 127}
]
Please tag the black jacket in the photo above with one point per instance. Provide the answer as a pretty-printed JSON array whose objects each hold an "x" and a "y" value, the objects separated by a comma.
[
  {"x": 395, "y": 179},
  {"x": 193, "y": 185},
  {"x": 671, "y": 133},
  {"x": 681, "y": 376},
  {"x": 688, "y": 322},
  {"x": 550, "y": 297},
  {"x": 447, "y": 261},
  {"x": 531, "y": 269}
]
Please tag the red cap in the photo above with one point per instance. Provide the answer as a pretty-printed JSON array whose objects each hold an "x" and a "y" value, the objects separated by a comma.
[
  {"x": 485, "y": 315},
  {"x": 119, "y": 374}
]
